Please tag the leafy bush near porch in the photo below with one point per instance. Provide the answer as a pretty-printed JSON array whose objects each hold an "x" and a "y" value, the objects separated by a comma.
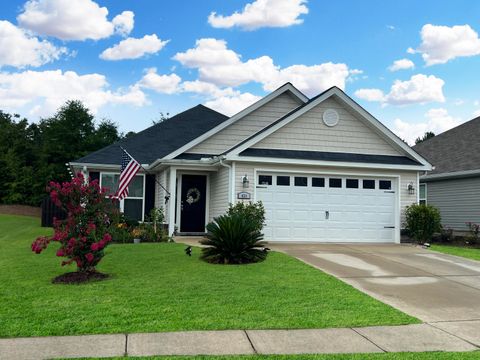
[
  {"x": 253, "y": 212},
  {"x": 422, "y": 221},
  {"x": 473, "y": 233},
  {"x": 233, "y": 239}
]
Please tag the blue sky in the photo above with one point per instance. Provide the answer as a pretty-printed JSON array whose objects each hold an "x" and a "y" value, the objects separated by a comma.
[{"x": 130, "y": 60}]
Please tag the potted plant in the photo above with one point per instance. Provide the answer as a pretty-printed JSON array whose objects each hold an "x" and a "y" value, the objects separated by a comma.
[{"x": 137, "y": 235}]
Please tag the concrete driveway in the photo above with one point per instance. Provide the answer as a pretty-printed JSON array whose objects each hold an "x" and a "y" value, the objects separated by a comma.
[{"x": 428, "y": 285}]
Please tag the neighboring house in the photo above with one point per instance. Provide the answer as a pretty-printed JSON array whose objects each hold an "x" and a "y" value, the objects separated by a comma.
[
  {"x": 324, "y": 168},
  {"x": 454, "y": 184}
]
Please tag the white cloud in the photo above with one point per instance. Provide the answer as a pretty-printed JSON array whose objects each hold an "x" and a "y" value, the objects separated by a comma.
[
  {"x": 221, "y": 66},
  {"x": 370, "y": 94},
  {"x": 207, "y": 89},
  {"x": 123, "y": 23},
  {"x": 263, "y": 13},
  {"x": 165, "y": 84},
  {"x": 420, "y": 89},
  {"x": 230, "y": 105},
  {"x": 45, "y": 91},
  {"x": 443, "y": 43},
  {"x": 20, "y": 49},
  {"x": 132, "y": 48},
  {"x": 401, "y": 64},
  {"x": 72, "y": 19},
  {"x": 437, "y": 120}
]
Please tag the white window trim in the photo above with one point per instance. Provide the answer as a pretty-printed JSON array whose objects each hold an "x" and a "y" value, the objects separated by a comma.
[
  {"x": 122, "y": 202},
  {"x": 420, "y": 198}
]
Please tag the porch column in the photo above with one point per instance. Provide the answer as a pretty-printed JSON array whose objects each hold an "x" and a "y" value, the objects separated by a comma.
[{"x": 172, "y": 201}]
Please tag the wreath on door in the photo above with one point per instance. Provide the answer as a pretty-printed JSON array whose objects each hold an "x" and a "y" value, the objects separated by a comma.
[{"x": 193, "y": 196}]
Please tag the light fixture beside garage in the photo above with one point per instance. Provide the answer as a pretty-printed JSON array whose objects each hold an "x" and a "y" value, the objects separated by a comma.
[
  {"x": 411, "y": 188},
  {"x": 245, "y": 181},
  {"x": 330, "y": 117}
]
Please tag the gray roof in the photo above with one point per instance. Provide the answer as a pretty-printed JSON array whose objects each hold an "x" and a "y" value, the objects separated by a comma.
[
  {"x": 161, "y": 139},
  {"x": 329, "y": 156},
  {"x": 454, "y": 150}
]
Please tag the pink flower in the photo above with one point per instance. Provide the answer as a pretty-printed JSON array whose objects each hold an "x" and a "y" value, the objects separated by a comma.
[
  {"x": 95, "y": 246},
  {"x": 60, "y": 252},
  {"x": 72, "y": 242},
  {"x": 107, "y": 237},
  {"x": 89, "y": 257}
]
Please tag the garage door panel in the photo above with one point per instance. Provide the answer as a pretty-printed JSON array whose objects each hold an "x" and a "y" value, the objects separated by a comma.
[{"x": 298, "y": 213}]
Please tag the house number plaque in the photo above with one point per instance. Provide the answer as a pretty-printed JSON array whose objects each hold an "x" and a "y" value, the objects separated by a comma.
[{"x": 244, "y": 195}]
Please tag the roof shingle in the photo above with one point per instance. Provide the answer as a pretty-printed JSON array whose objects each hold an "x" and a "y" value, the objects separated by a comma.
[
  {"x": 454, "y": 150},
  {"x": 161, "y": 139}
]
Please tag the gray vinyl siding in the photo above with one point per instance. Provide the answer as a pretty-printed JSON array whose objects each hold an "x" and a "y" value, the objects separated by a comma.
[
  {"x": 308, "y": 132},
  {"x": 219, "y": 192},
  {"x": 247, "y": 126},
  {"x": 457, "y": 199}
]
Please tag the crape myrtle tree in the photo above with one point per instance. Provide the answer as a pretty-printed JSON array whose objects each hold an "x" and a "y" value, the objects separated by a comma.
[{"x": 84, "y": 235}]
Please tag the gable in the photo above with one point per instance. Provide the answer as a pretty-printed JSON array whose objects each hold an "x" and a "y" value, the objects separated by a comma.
[
  {"x": 247, "y": 126},
  {"x": 308, "y": 132}
]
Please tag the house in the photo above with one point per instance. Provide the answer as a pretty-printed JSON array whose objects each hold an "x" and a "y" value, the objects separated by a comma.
[
  {"x": 454, "y": 184},
  {"x": 324, "y": 168}
]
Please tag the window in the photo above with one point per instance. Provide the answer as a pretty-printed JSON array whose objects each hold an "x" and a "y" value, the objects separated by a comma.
[
  {"x": 335, "y": 183},
  {"x": 283, "y": 180},
  {"x": 422, "y": 195},
  {"x": 132, "y": 206},
  {"x": 369, "y": 184},
  {"x": 352, "y": 184},
  {"x": 265, "y": 179},
  {"x": 301, "y": 181},
  {"x": 318, "y": 182},
  {"x": 385, "y": 185}
]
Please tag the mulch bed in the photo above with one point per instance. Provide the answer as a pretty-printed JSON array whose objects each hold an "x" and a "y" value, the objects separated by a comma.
[
  {"x": 20, "y": 210},
  {"x": 78, "y": 277}
]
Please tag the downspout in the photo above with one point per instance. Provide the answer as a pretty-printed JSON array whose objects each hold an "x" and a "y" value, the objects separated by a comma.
[{"x": 229, "y": 167}]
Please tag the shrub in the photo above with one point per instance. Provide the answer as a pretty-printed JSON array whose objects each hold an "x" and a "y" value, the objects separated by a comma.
[
  {"x": 474, "y": 233},
  {"x": 233, "y": 239},
  {"x": 253, "y": 212},
  {"x": 84, "y": 234},
  {"x": 422, "y": 221}
]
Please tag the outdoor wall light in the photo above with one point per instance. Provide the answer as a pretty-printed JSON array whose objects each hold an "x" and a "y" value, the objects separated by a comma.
[
  {"x": 411, "y": 188},
  {"x": 245, "y": 181}
]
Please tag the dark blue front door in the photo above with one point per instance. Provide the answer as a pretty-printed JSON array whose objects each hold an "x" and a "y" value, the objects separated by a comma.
[{"x": 193, "y": 203}]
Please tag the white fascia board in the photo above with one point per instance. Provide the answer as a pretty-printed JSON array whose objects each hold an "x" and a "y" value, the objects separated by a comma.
[
  {"x": 95, "y": 166},
  {"x": 340, "y": 164},
  {"x": 238, "y": 116},
  {"x": 383, "y": 130},
  {"x": 449, "y": 175}
]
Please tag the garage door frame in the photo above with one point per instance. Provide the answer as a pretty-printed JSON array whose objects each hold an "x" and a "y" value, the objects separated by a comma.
[{"x": 287, "y": 170}]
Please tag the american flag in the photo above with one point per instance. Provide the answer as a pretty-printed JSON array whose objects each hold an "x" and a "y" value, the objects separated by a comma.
[{"x": 128, "y": 171}]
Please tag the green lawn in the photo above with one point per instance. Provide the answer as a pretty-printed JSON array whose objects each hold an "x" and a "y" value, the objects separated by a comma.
[
  {"x": 470, "y": 253},
  {"x": 383, "y": 356},
  {"x": 156, "y": 287}
]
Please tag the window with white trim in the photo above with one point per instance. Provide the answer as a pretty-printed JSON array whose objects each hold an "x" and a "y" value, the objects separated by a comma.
[
  {"x": 422, "y": 194},
  {"x": 133, "y": 205}
]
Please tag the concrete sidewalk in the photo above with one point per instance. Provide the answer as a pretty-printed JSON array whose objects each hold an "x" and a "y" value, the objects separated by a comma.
[{"x": 443, "y": 336}]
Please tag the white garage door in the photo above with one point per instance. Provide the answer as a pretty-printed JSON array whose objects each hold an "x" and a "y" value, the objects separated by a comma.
[{"x": 327, "y": 208}]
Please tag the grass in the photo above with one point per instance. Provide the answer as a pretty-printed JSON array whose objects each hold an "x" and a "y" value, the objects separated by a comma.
[
  {"x": 156, "y": 287},
  {"x": 467, "y": 252},
  {"x": 383, "y": 356}
]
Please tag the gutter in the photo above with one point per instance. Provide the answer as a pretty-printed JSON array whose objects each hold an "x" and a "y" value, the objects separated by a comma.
[{"x": 451, "y": 175}]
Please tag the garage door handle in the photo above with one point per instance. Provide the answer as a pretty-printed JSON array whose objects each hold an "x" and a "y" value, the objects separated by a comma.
[
  {"x": 261, "y": 187},
  {"x": 327, "y": 214},
  {"x": 389, "y": 227},
  {"x": 389, "y": 192}
]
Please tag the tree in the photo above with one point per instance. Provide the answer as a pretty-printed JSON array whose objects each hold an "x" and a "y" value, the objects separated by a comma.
[
  {"x": 31, "y": 154},
  {"x": 426, "y": 136},
  {"x": 84, "y": 235}
]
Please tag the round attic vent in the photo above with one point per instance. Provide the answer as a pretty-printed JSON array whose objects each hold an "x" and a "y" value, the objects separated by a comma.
[{"x": 330, "y": 117}]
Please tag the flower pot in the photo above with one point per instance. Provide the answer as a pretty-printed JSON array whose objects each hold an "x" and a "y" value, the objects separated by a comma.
[{"x": 136, "y": 241}]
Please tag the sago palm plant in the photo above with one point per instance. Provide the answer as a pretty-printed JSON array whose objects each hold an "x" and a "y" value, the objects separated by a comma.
[{"x": 232, "y": 239}]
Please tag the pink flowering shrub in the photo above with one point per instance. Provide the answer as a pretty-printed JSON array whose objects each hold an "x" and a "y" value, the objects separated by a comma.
[{"x": 84, "y": 234}]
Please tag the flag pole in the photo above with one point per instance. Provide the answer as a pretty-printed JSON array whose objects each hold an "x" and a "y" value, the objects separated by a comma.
[{"x": 167, "y": 197}]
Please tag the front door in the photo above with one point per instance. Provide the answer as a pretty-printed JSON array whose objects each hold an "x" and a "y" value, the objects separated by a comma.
[{"x": 193, "y": 203}]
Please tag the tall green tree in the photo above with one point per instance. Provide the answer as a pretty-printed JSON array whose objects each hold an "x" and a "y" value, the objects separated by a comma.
[
  {"x": 31, "y": 154},
  {"x": 426, "y": 136}
]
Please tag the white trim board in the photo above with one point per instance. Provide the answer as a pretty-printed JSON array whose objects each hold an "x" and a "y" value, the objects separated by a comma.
[
  {"x": 376, "y": 125},
  {"x": 266, "y": 99}
]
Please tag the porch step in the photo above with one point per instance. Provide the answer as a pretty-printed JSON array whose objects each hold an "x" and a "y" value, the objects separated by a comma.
[{"x": 188, "y": 240}]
